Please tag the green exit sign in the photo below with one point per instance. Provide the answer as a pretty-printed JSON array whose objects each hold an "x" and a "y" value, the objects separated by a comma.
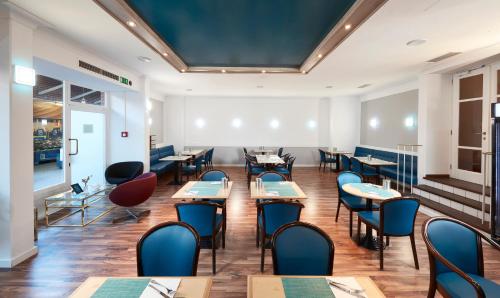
[{"x": 124, "y": 80}]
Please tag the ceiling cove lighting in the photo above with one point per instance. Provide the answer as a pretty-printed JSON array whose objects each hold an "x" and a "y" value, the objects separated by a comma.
[
  {"x": 347, "y": 26},
  {"x": 144, "y": 59},
  {"x": 374, "y": 123},
  {"x": 274, "y": 124},
  {"x": 200, "y": 123},
  {"x": 150, "y": 121},
  {"x": 311, "y": 124},
  {"x": 165, "y": 54},
  {"x": 236, "y": 123},
  {"x": 24, "y": 75},
  {"x": 223, "y": 71},
  {"x": 410, "y": 122},
  {"x": 416, "y": 42},
  {"x": 131, "y": 24}
]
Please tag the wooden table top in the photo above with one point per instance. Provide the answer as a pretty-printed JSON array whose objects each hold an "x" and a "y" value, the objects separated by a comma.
[
  {"x": 271, "y": 286},
  {"x": 193, "y": 152},
  {"x": 190, "y": 287},
  {"x": 262, "y": 194},
  {"x": 177, "y": 158},
  {"x": 333, "y": 152},
  {"x": 375, "y": 162},
  {"x": 372, "y": 191},
  {"x": 263, "y": 150},
  {"x": 185, "y": 191},
  {"x": 269, "y": 159}
]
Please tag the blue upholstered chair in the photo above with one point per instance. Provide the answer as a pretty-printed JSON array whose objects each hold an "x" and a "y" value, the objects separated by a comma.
[
  {"x": 168, "y": 249},
  {"x": 352, "y": 203},
  {"x": 287, "y": 169},
  {"x": 346, "y": 162},
  {"x": 194, "y": 169},
  {"x": 207, "y": 158},
  {"x": 254, "y": 168},
  {"x": 203, "y": 217},
  {"x": 302, "y": 249},
  {"x": 456, "y": 259},
  {"x": 271, "y": 216},
  {"x": 324, "y": 160},
  {"x": 396, "y": 218},
  {"x": 217, "y": 175},
  {"x": 280, "y": 151},
  {"x": 365, "y": 171}
]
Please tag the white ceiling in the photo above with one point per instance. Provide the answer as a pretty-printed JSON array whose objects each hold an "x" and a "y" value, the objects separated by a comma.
[{"x": 376, "y": 53}]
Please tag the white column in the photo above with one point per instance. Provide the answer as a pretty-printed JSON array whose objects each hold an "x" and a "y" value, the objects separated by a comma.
[
  {"x": 145, "y": 97},
  {"x": 16, "y": 144}
]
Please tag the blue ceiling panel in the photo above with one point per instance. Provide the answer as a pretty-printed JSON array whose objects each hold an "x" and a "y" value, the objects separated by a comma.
[{"x": 242, "y": 33}]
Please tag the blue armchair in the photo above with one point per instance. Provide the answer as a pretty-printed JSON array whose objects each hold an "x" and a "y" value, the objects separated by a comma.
[
  {"x": 292, "y": 257},
  {"x": 287, "y": 169},
  {"x": 346, "y": 162},
  {"x": 352, "y": 203},
  {"x": 271, "y": 216},
  {"x": 365, "y": 171},
  {"x": 456, "y": 259},
  {"x": 395, "y": 218},
  {"x": 324, "y": 160},
  {"x": 254, "y": 168},
  {"x": 168, "y": 249},
  {"x": 203, "y": 217},
  {"x": 194, "y": 169}
]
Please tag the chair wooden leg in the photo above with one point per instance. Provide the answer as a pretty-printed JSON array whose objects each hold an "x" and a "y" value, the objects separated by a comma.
[
  {"x": 258, "y": 232},
  {"x": 213, "y": 254},
  {"x": 386, "y": 240},
  {"x": 249, "y": 177},
  {"x": 263, "y": 251},
  {"x": 380, "y": 239},
  {"x": 350, "y": 223},
  {"x": 224, "y": 225},
  {"x": 414, "y": 248},
  {"x": 319, "y": 169},
  {"x": 432, "y": 288},
  {"x": 338, "y": 210},
  {"x": 359, "y": 230}
]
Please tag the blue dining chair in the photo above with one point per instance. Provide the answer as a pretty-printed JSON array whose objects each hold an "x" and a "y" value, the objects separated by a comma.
[
  {"x": 396, "y": 218},
  {"x": 168, "y": 249},
  {"x": 194, "y": 169},
  {"x": 352, "y": 203},
  {"x": 203, "y": 217},
  {"x": 287, "y": 168},
  {"x": 346, "y": 162},
  {"x": 280, "y": 151},
  {"x": 365, "y": 171},
  {"x": 254, "y": 168},
  {"x": 217, "y": 175},
  {"x": 456, "y": 259},
  {"x": 324, "y": 160},
  {"x": 272, "y": 215},
  {"x": 302, "y": 249}
]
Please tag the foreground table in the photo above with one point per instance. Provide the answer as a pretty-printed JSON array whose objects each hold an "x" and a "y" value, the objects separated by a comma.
[
  {"x": 271, "y": 286},
  {"x": 370, "y": 192},
  {"x": 204, "y": 190},
  {"x": 190, "y": 287},
  {"x": 277, "y": 190}
]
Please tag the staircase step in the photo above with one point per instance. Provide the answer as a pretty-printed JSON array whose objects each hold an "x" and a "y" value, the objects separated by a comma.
[
  {"x": 453, "y": 197},
  {"x": 453, "y": 182},
  {"x": 451, "y": 212}
]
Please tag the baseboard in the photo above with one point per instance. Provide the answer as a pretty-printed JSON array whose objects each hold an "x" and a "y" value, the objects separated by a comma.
[{"x": 9, "y": 263}]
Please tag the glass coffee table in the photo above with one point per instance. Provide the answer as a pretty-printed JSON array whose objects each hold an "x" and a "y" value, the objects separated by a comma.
[{"x": 77, "y": 203}]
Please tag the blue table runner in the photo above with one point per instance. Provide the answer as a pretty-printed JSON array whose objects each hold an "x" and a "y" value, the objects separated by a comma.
[{"x": 121, "y": 288}]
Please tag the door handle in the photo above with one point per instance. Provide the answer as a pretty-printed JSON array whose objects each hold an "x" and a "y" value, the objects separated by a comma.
[{"x": 76, "y": 141}]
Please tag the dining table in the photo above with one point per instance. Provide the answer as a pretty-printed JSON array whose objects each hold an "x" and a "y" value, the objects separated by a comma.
[
  {"x": 375, "y": 163},
  {"x": 370, "y": 192},
  {"x": 284, "y": 190},
  {"x": 204, "y": 190},
  {"x": 337, "y": 154},
  {"x": 263, "y": 151},
  {"x": 179, "y": 160},
  {"x": 269, "y": 160},
  {"x": 274, "y": 286},
  {"x": 111, "y": 287}
]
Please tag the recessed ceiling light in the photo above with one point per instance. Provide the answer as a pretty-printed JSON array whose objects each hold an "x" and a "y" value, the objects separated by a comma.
[
  {"x": 263, "y": 71},
  {"x": 303, "y": 71},
  {"x": 348, "y": 26},
  {"x": 223, "y": 71},
  {"x": 320, "y": 55},
  {"x": 144, "y": 59},
  {"x": 183, "y": 70},
  {"x": 260, "y": 86},
  {"x": 328, "y": 87},
  {"x": 131, "y": 23},
  {"x": 416, "y": 42},
  {"x": 165, "y": 54},
  {"x": 189, "y": 90}
]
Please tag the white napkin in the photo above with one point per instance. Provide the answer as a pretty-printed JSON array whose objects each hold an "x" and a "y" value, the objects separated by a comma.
[
  {"x": 171, "y": 283},
  {"x": 349, "y": 281}
]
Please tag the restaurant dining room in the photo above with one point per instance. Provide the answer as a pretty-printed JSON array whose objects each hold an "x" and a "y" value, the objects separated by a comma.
[{"x": 250, "y": 148}]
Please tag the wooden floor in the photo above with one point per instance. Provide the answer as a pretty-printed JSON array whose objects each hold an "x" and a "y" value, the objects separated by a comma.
[{"x": 67, "y": 256}]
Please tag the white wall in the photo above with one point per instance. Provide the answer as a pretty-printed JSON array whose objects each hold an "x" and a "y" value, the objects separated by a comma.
[{"x": 345, "y": 122}]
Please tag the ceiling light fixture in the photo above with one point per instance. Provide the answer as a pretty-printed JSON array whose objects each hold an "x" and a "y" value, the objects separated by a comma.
[
  {"x": 348, "y": 26},
  {"x": 144, "y": 59},
  {"x": 328, "y": 87},
  {"x": 165, "y": 54},
  {"x": 304, "y": 72},
  {"x": 263, "y": 71},
  {"x": 183, "y": 70},
  {"x": 131, "y": 24},
  {"x": 364, "y": 86},
  {"x": 416, "y": 42},
  {"x": 260, "y": 86},
  {"x": 320, "y": 55},
  {"x": 223, "y": 71}
]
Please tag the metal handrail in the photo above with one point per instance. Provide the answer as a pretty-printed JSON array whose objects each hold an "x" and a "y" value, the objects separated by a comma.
[
  {"x": 483, "y": 198},
  {"x": 404, "y": 152}
]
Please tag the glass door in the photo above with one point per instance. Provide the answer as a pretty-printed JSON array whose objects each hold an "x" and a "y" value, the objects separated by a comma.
[{"x": 470, "y": 124}]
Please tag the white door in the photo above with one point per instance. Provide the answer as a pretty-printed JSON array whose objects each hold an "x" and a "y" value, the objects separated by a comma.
[{"x": 471, "y": 113}]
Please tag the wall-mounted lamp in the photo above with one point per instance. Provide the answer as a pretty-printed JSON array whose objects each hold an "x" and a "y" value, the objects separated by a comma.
[
  {"x": 149, "y": 105},
  {"x": 374, "y": 123},
  {"x": 236, "y": 123},
  {"x": 274, "y": 124},
  {"x": 311, "y": 124},
  {"x": 410, "y": 122},
  {"x": 200, "y": 123},
  {"x": 150, "y": 121},
  {"x": 24, "y": 75}
]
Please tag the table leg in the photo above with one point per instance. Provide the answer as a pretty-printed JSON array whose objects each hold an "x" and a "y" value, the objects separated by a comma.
[
  {"x": 367, "y": 240},
  {"x": 83, "y": 214},
  {"x": 377, "y": 170},
  {"x": 177, "y": 170},
  {"x": 337, "y": 162}
]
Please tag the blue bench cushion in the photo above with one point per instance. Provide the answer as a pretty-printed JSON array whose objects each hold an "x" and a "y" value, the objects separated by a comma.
[
  {"x": 456, "y": 286},
  {"x": 166, "y": 151},
  {"x": 161, "y": 167}
]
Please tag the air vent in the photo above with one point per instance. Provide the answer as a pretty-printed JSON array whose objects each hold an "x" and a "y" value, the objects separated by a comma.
[
  {"x": 364, "y": 86},
  {"x": 103, "y": 72},
  {"x": 442, "y": 57}
]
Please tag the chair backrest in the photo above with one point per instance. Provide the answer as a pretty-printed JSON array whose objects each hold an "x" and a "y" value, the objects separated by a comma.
[
  {"x": 276, "y": 214},
  {"x": 245, "y": 150},
  {"x": 290, "y": 163},
  {"x": 134, "y": 192},
  {"x": 457, "y": 242},
  {"x": 322, "y": 155},
  {"x": 125, "y": 169},
  {"x": 200, "y": 215},
  {"x": 168, "y": 249},
  {"x": 213, "y": 175},
  {"x": 280, "y": 151},
  {"x": 302, "y": 249},
  {"x": 198, "y": 161},
  {"x": 356, "y": 165},
  {"x": 270, "y": 176},
  {"x": 211, "y": 154},
  {"x": 347, "y": 177},
  {"x": 397, "y": 216},
  {"x": 346, "y": 162},
  {"x": 286, "y": 157}
]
